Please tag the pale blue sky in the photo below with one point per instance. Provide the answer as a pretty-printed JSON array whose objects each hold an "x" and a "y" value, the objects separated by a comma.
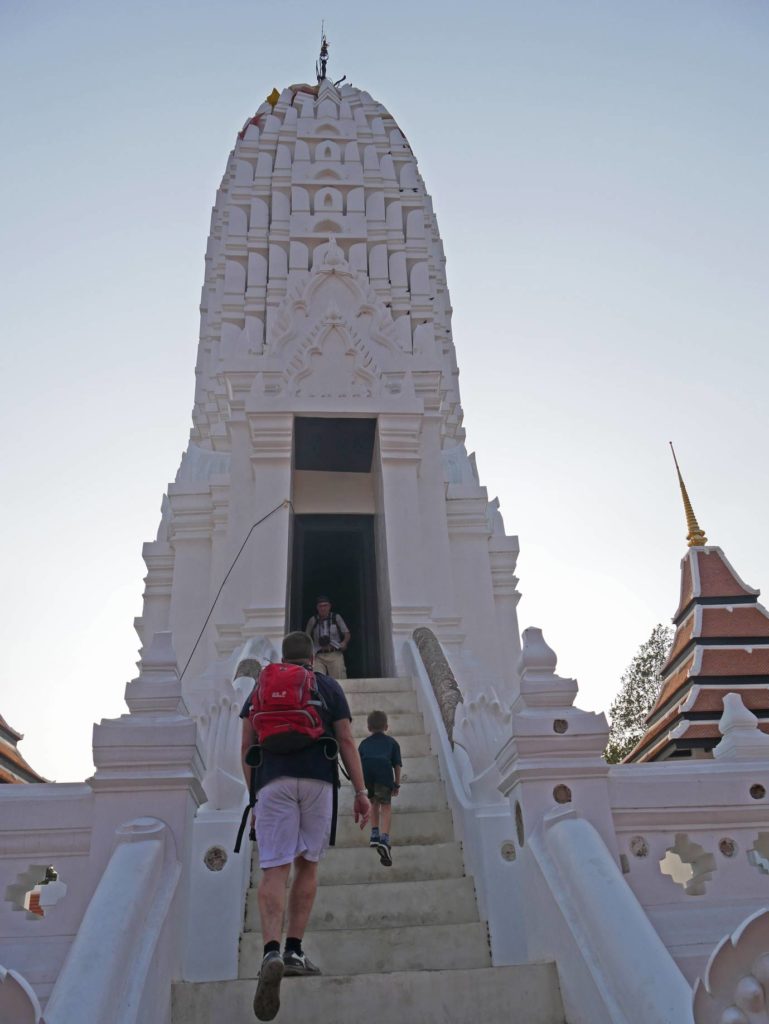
[{"x": 599, "y": 171}]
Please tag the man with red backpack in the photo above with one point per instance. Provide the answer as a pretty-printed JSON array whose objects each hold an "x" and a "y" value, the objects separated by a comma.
[{"x": 294, "y": 723}]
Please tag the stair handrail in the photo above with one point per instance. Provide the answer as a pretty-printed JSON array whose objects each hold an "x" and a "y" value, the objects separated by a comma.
[
  {"x": 482, "y": 827},
  {"x": 445, "y": 687},
  {"x": 114, "y": 970}
]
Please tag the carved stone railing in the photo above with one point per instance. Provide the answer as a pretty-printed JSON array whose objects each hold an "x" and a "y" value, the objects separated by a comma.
[{"x": 442, "y": 680}]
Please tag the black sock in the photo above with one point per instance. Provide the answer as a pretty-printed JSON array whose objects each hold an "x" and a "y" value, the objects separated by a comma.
[
  {"x": 293, "y": 945},
  {"x": 271, "y": 947}
]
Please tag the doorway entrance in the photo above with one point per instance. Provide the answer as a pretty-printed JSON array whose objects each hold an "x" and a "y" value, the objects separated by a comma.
[{"x": 334, "y": 555}]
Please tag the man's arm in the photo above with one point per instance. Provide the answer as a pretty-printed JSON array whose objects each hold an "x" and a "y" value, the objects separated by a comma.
[
  {"x": 344, "y": 633},
  {"x": 248, "y": 739},
  {"x": 351, "y": 760}
]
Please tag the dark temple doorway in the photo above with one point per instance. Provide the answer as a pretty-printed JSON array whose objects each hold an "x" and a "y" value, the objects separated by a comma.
[{"x": 334, "y": 555}]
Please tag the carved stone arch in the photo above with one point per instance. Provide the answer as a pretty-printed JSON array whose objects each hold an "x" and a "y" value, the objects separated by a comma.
[
  {"x": 327, "y": 128},
  {"x": 328, "y": 174},
  {"x": 334, "y": 285},
  {"x": 328, "y": 227},
  {"x": 333, "y": 363}
]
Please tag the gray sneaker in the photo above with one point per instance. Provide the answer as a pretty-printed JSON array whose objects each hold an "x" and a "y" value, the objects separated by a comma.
[
  {"x": 385, "y": 856},
  {"x": 299, "y": 965},
  {"x": 267, "y": 998}
]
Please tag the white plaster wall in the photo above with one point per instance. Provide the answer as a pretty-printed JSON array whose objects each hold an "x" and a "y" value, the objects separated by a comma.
[{"x": 330, "y": 493}]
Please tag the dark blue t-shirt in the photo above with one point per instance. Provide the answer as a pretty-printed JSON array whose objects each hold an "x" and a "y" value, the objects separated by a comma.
[
  {"x": 379, "y": 754},
  {"x": 317, "y": 761}
]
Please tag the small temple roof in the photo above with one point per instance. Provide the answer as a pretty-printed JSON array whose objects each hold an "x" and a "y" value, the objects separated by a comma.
[
  {"x": 13, "y": 767},
  {"x": 721, "y": 645}
]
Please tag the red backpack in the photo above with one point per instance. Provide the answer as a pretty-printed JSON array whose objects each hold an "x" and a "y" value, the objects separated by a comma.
[{"x": 285, "y": 709}]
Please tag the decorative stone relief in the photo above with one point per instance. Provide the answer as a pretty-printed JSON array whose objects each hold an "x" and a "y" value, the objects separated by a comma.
[
  {"x": 639, "y": 847},
  {"x": 215, "y": 858},
  {"x": 459, "y": 467},
  {"x": 444, "y": 685},
  {"x": 507, "y": 850},
  {"x": 198, "y": 465},
  {"x": 727, "y": 847},
  {"x": 482, "y": 726},
  {"x": 735, "y": 987},
  {"x": 333, "y": 336},
  {"x": 37, "y": 891},
  {"x": 688, "y": 864},
  {"x": 494, "y": 519}
]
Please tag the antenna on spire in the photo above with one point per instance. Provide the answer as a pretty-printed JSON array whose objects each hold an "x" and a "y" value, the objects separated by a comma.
[
  {"x": 320, "y": 65},
  {"x": 696, "y": 537}
]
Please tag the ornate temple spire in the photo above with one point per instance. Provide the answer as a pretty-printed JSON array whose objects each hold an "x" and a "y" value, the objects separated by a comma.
[
  {"x": 320, "y": 65},
  {"x": 695, "y": 537}
]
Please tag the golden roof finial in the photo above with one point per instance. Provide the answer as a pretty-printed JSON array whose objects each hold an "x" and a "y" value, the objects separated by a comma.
[{"x": 695, "y": 537}]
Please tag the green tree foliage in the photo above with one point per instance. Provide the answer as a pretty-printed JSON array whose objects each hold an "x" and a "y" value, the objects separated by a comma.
[{"x": 638, "y": 690}]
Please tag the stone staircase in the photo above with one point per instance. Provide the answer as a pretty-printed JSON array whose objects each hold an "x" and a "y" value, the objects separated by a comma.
[{"x": 402, "y": 944}]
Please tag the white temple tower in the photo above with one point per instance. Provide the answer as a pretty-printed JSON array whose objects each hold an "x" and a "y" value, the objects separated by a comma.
[{"x": 327, "y": 377}]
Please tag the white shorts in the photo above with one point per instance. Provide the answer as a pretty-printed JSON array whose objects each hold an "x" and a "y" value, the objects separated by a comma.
[{"x": 293, "y": 819}]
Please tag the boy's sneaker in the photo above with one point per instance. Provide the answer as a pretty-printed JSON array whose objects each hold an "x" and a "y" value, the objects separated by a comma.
[
  {"x": 267, "y": 998},
  {"x": 374, "y": 842},
  {"x": 383, "y": 849},
  {"x": 298, "y": 964}
]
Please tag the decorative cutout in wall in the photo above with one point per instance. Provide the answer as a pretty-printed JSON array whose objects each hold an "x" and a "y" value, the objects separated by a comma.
[
  {"x": 36, "y": 891},
  {"x": 758, "y": 856},
  {"x": 688, "y": 864}
]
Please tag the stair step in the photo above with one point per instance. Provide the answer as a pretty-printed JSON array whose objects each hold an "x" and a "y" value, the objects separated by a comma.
[
  {"x": 410, "y": 724},
  {"x": 351, "y": 865},
  {"x": 379, "y": 700},
  {"x": 397, "y": 905},
  {"x": 412, "y": 828},
  {"x": 393, "y": 684},
  {"x": 411, "y": 746},
  {"x": 433, "y": 947},
  {"x": 523, "y": 994},
  {"x": 413, "y": 796},
  {"x": 421, "y": 769}
]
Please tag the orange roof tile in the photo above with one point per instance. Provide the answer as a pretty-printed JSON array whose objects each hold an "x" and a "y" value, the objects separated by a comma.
[
  {"x": 742, "y": 620},
  {"x": 735, "y": 661}
]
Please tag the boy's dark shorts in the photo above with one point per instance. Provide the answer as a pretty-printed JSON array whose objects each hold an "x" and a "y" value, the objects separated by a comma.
[{"x": 379, "y": 794}]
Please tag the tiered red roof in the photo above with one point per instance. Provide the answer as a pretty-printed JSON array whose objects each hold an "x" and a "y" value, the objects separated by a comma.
[
  {"x": 13, "y": 767},
  {"x": 721, "y": 646}
]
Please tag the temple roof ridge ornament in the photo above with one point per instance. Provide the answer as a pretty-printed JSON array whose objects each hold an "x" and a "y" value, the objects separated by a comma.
[
  {"x": 322, "y": 61},
  {"x": 695, "y": 537}
]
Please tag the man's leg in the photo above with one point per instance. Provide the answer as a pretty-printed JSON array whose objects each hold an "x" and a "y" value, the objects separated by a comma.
[
  {"x": 301, "y": 896},
  {"x": 277, "y": 832},
  {"x": 315, "y": 804},
  {"x": 272, "y": 902}
]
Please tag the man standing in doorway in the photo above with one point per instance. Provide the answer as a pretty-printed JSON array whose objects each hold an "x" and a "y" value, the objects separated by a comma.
[
  {"x": 294, "y": 814},
  {"x": 330, "y": 639}
]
